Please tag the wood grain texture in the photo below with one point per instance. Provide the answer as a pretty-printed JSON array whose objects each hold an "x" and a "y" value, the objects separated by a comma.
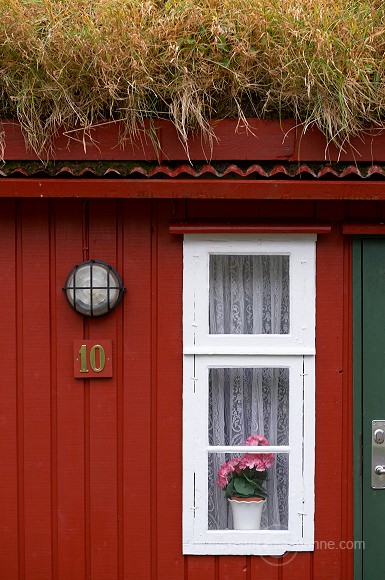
[
  {"x": 197, "y": 567},
  {"x": 297, "y": 565},
  {"x": 136, "y": 391},
  {"x": 261, "y": 140},
  {"x": 249, "y": 208},
  {"x": 168, "y": 272},
  {"x": 36, "y": 396},
  {"x": 329, "y": 409},
  {"x": 69, "y": 442},
  {"x": 361, "y": 228},
  {"x": 231, "y": 227},
  {"x": 233, "y": 567},
  {"x": 103, "y": 410},
  {"x": 229, "y": 189},
  {"x": 11, "y": 541},
  {"x": 349, "y": 426},
  {"x": 102, "y": 142},
  {"x": 19, "y": 387}
]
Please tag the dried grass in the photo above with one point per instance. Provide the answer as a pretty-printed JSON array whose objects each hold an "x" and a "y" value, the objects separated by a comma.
[{"x": 73, "y": 63}]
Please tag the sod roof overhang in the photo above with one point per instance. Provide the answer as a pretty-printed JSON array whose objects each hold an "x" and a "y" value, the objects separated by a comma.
[{"x": 73, "y": 63}]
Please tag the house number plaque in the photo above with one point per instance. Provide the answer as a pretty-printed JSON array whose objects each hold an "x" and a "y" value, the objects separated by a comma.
[{"x": 92, "y": 359}]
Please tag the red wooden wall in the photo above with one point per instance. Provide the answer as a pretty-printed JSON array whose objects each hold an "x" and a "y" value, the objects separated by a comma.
[{"x": 91, "y": 470}]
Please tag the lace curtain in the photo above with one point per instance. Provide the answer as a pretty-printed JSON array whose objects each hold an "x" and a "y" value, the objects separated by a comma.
[{"x": 249, "y": 295}]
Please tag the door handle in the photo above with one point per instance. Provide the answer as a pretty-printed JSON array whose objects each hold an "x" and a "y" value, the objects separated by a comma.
[{"x": 378, "y": 454}]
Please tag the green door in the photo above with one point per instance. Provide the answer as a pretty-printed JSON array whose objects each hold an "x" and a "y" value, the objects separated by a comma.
[{"x": 369, "y": 361}]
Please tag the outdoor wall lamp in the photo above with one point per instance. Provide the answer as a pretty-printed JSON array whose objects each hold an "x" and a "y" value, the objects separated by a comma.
[{"x": 93, "y": 288}]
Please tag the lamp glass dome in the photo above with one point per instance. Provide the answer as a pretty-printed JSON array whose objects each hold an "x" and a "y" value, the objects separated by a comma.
[{"x": 93, "y": 288}]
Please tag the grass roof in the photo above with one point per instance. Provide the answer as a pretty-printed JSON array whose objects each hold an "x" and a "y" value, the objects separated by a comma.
[{"x": 73, "y": 63}]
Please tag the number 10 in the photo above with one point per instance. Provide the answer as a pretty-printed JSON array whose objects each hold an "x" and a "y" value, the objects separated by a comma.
[{"x": 92, "y": 358}]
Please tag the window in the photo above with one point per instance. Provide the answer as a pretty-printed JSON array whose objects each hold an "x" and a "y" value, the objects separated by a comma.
[{"x": 249, "y": 326}]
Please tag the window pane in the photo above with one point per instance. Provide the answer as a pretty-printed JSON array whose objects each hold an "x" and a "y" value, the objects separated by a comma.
[
  {"x": 249, "y": 295},
  {"x": 248, "y": 401},
  {"x": 274, "y": 512}
]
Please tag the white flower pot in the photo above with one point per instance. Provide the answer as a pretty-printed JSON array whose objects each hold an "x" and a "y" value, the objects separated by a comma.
[{"x": 247, "y": 513}]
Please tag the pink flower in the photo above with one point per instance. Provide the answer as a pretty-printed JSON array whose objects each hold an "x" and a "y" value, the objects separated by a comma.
[
  {"x": 233, "y": 464},
  {"x": 222, "y": 482},
  {"x": 256, "y": 440},
  {"x": 268, "y": 459},
  {"x": 225, "y": 469},
  {"x": 253, "y": 461},
  {"x": 257, "y": 461}
]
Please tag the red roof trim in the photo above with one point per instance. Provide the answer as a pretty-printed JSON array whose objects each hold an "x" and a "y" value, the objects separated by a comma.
[
  {"x": 364, "y": 229},
  {"x": 248, "y": 228},
  {"x": 232, "y": 140},
  {"x": 189, "y": 188}
]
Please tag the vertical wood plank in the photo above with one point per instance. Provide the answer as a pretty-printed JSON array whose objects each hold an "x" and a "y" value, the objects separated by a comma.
[
  {"x": 138, "y": 472},
  {"x": 297, "y": 565},
  {"x": 329, "y": 390},
  {"x": 53, "y": 381},
  {"x": 357, "y": 265},
  {"x": 198, "y": 567},
  {"x": 69, "y": 442},
  {"x": 347, "y": 463},
  {"x": 168, "y": 253},
  {"x": 9, "y": 541},
  {"x": 20, "y": 392},
  {"x": 103, "y": 411},
  {"x": 233, "y": 568},
  {"x": 265, "y": 567},
  {"x": 35, "y": 342}
]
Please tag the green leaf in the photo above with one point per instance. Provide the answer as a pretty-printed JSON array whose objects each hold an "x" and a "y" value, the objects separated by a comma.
[
  {"x": 260, "y": 491},
  {"x": 230, "y": 490},
  {"x": 251, "y": 481},
  {"x": 244, "y": 487}
]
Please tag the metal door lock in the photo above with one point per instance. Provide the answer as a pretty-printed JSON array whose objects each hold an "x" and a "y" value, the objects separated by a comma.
[
  {"x": 378, "y": 454},
  {"x": 379, "y": 436}
]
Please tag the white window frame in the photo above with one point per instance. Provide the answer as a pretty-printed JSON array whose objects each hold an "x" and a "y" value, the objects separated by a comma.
[
  {"x": 197, "y": 251},
  {"x": 203, "y": 351}
]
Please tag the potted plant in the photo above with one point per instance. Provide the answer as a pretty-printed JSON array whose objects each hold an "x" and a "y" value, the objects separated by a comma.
[{"x": 242, "y": 480}]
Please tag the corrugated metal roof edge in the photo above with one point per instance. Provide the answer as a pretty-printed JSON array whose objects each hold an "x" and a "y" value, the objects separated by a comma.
[{"x": 196, "y": 170}]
